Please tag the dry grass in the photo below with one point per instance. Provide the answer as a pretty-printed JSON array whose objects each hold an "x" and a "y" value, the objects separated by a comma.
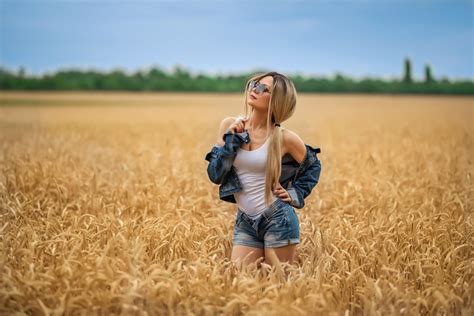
[{"x": 106, "y": 206}]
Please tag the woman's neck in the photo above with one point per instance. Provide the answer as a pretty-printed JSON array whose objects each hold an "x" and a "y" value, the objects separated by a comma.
[{"x": 257, "y": 121}]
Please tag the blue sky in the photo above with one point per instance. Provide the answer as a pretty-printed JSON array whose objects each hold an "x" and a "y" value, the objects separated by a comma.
[{"x": 354, "y": 37}]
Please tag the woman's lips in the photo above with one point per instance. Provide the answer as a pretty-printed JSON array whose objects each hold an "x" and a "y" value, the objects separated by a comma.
[{"x": 252, "y": 97}]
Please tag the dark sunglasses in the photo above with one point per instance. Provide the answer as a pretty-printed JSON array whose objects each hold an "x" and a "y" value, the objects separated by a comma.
[{"x": 260, "y": 87}]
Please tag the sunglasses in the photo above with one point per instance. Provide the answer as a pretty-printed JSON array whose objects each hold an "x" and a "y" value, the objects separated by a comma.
[{"x": 260, "y": 87}]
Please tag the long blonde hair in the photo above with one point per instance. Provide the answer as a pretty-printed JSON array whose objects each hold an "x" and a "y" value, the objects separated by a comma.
[{"x": 281, "y": 106}]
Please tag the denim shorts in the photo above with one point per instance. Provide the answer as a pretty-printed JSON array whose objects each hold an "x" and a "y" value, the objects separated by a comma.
[{"x": 278, "y": 226}]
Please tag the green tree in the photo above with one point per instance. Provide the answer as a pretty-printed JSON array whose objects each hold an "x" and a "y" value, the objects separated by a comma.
[
  {"x": 181, "y": 73},
  {"x": 21, "y": 72},
  {"x": 407, "y": 75},
  {"x": 428, "y": 74}
]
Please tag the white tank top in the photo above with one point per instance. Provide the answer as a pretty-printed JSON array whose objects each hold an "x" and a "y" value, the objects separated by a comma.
[{"x": 250, "y": 168}]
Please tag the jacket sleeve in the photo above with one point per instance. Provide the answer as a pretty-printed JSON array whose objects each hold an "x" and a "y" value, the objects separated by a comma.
[
  {"x": 221, "y": 158},
  {"x": 305, "y": 180}
]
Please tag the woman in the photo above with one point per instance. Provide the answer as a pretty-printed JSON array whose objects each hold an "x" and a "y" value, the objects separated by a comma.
[{"x": 266, "y": 170}]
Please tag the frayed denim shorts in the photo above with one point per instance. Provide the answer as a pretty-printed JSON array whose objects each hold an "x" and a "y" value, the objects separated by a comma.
[{"x": 278, "y": 226}]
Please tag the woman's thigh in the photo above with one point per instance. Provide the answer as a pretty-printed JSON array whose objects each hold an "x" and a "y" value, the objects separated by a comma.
[
  {"x": 280, "y": 254},
  {"x": 246, "y": 245},
  {"x": 247, "y": 255},
  {"x": 245, "y": 233},
  {"x": 280, "y": 236}
]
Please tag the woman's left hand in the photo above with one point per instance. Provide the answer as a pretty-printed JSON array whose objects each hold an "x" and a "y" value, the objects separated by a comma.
[{"x": 280, "y": 192}]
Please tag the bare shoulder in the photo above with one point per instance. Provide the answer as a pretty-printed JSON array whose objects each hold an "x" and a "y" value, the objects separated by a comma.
[
  {"x": 291, "y": 139},
  {"x": 224, "y": 125},
  {"x": 293, "y": 145}
]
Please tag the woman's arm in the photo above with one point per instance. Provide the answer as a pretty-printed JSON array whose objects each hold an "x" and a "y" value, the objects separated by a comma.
[
  {"x": 222, "y": 155},
  {"x": 306, "y": 180},
  {"x": 309, "y": 171},
  {"x": 226, "y": 122},
  {"x": 293, "y": 145}
]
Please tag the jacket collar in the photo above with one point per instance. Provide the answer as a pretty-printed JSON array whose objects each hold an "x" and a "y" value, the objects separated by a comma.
[{"x": 244, "y": 136}]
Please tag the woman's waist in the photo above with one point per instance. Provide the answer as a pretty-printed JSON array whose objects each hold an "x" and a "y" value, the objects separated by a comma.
[{"x": 268, "y": 212}]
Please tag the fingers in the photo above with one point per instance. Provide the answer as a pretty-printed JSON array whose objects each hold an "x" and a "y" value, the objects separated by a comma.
[
  {"x": 277, "y": 186},
  {"x": 285, "y": 198},
  {"x": 280, "y": 192},
  {"x": 280, "y": 189},
  {"x": 238, "y": 125},
  {"x": 242, "y": 122}
]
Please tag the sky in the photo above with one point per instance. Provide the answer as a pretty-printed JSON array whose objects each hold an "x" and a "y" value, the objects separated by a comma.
[{"x": 358, "y": 38}]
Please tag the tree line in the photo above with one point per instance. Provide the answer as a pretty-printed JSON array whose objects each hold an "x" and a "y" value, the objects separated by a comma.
[{"x": 156, "y": 79}]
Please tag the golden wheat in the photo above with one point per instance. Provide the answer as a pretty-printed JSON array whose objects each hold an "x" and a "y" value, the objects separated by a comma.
[{"x": 106, "y": 207}]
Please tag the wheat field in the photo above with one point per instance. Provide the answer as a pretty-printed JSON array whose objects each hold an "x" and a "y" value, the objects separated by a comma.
[{"x": 106, "y": 208}]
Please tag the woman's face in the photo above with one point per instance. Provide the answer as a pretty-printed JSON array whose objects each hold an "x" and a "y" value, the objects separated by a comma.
[{"x": 257, "y": 101}]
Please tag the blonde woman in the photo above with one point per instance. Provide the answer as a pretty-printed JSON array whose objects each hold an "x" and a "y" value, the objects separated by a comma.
[{"x": 267, "y": 170}]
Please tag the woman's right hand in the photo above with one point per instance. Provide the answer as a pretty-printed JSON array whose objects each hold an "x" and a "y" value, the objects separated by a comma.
[{"x": 239, "y": 125}]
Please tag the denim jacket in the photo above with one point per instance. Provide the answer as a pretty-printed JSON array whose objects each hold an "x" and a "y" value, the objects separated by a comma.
[{"x": 297, "y": 179}]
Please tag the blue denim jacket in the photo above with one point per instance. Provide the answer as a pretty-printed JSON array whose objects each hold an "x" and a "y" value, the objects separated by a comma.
[{"x": 297, "y": 179}]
